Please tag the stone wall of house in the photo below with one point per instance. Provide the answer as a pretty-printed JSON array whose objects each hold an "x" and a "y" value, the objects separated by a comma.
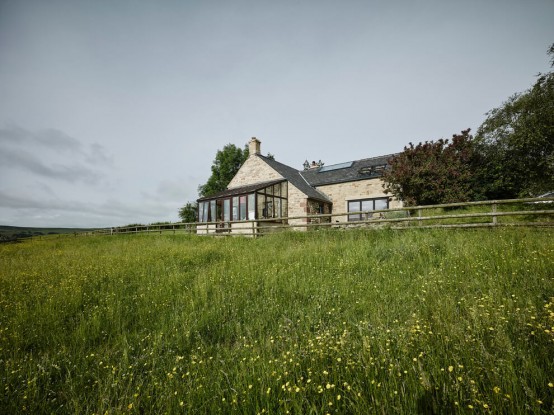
[
  {"x": 298, "y": 206},
  {"x": 254, "y": 170},
  {"x": 341, "y": 193}
]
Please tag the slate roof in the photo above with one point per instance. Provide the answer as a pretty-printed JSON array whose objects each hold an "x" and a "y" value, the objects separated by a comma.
[
  {"x": 346, "y": 172},
  {"x": 295, "y": 177}
]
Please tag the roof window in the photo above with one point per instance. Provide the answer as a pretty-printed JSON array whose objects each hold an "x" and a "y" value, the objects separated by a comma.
[{"x": 336, "y": 167}]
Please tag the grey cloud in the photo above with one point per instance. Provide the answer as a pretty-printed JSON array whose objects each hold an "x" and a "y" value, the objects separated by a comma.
[
  {"x": 16, "y": 158},
  {"x": 51, "y": 154},
  {"x": 15, "y": 202},
  {"x": 57, "y": 139},
  {"x": 51, "y": 138},
  {"x": 97, "y": 155}
]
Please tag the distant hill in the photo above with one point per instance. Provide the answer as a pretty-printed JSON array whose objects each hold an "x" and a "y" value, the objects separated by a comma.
[{"x": 10, "y": 233}]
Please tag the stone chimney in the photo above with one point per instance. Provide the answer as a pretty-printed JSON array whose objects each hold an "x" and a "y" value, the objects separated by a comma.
[{"x": 254, "y": 147}]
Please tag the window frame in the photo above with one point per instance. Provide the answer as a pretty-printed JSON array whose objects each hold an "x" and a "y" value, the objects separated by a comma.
[
  {"x": 252, "y": 205},
  {"x": 358, "y": 216}
]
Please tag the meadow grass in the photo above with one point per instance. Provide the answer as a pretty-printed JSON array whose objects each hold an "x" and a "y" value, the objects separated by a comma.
[{"x": 350, "y": 322}]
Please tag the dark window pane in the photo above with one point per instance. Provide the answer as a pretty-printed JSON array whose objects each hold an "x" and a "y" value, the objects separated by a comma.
[
  {"x": 251, "y": 206},
  {"x": 235, "y": 208},
  {"x": 382, "y": 203},
  {"x": 213, "y": 212},
  {"x": 367, "y": 205},
  {"x": 242, "y": 211},
  {"x": 219, "y": 215},
  {"x": 201, "y": 212},
  {"x": 206, "y": 208},
  {"x": 277, "y": 207},
  {"x": 354, "y": 206},
  {"x": 227, "y": 210},
  {"x": 261, "y": 206}
]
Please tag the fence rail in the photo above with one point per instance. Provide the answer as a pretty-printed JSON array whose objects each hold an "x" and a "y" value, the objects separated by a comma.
[{"x": 532, "y": 212}]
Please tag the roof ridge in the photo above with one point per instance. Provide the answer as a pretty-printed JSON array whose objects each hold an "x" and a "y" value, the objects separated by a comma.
[
  {"x": 378, "y": 157},
  {"x": 298, "y": 180},
  {"x": 275, "y": 161},
  {"x": 364, "y": 159}
]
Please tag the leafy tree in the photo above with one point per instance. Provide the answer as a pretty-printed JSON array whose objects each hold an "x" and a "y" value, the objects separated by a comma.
[
  {"x": 517, "y": 141},
  {"x": 226, "y": 164},
  {"x": 188, "y": 212},
  {"x": 435, "y": 172}
]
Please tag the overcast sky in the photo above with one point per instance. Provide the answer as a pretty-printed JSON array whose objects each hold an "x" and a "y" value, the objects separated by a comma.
[{"x": 111, "y": 112}]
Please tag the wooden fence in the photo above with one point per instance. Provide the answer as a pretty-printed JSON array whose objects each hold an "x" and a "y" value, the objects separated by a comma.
[{"x": 531, "y": 212}]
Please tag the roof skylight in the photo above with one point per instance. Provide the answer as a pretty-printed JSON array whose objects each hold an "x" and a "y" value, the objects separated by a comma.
[{"x": 336, "y": 167}]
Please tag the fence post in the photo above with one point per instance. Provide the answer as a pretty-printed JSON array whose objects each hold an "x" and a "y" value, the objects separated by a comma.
[
  {"x": 419, "y": 216},
  {"x": 494, "y": 217}
]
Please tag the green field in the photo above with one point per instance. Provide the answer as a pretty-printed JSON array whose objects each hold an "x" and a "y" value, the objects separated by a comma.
[{"x": 349, "y": 322}]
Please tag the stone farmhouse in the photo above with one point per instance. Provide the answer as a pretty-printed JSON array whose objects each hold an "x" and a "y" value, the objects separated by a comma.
[{"x": 266, "y": 189}]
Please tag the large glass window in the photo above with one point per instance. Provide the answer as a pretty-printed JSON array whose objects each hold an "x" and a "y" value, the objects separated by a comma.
[
  {"x": 267, "y": 202},
  {"x": 219, "y": 210},
  {"x": 261, "y": 206},
  {"x": 251, "y": 206},
  {"x": 272, "y": 201},
  {"x": 277, "y": 207},
  {"x": 205, "y": 213},
  {"x": 235, "y": 208},
  {"x": 366, "y": 205},
  {"x": 201, "y": 212},
  {"x": 213, "y": 211},
  {"x": 227, "y": 210},
  {"x": 242, "y": 207},
  {"x": 354, "y": 206},
  {"x": 381, "y": 203}
]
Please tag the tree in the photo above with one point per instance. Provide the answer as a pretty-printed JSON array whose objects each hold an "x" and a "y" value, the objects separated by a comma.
[
  {"x": 435, "y": 172},
  {"x": 188, "y": 212},
  {"x": 226, "y": 164},
  {"x": 517, "y": 141}
]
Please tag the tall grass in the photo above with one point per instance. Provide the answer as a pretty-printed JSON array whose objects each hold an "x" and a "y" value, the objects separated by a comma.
[{"x": 414, "y": 321}]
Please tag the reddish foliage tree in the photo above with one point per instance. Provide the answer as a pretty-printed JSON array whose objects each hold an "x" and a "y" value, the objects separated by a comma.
[{"x": 435, "y": 172}]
